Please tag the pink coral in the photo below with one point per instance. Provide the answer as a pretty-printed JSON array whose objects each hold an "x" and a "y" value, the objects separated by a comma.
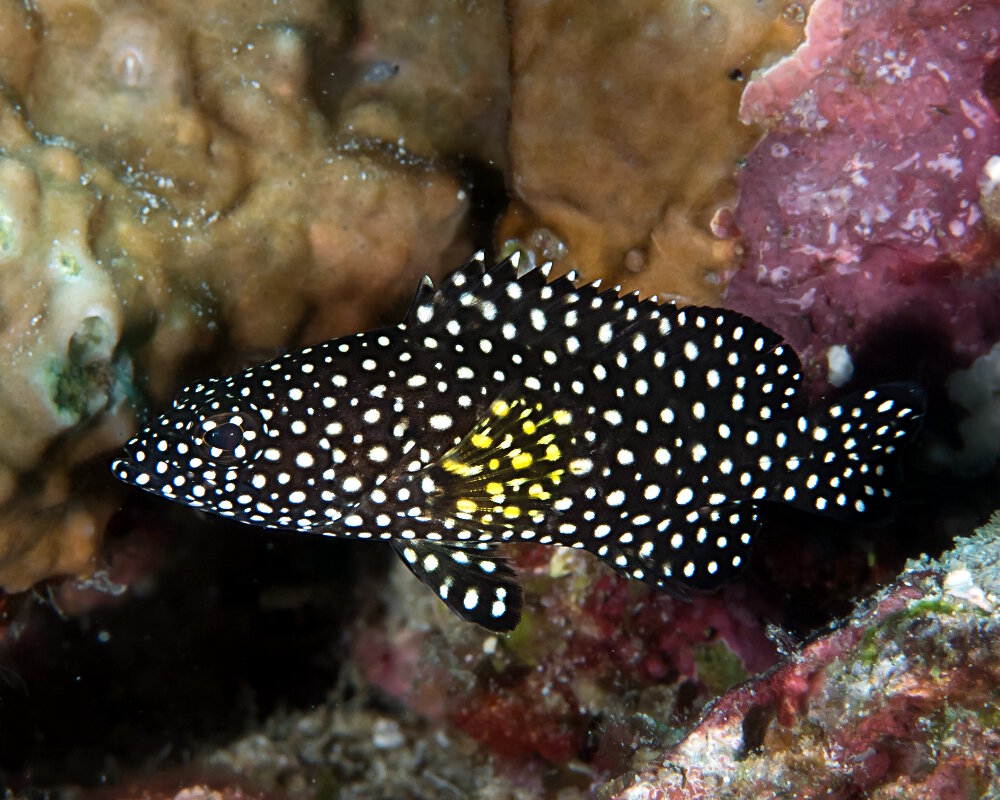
[{"x": 862, "y": 206}]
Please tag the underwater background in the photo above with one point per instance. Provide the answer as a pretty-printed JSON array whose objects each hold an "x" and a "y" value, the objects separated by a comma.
[{"x": 187, "y": 189}]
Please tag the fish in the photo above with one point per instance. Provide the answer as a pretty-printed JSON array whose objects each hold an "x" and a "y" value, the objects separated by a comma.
[{"x": 510, "y": 406}]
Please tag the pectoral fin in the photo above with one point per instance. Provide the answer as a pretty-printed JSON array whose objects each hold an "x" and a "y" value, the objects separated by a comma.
[{"x": 474, "y": 580}]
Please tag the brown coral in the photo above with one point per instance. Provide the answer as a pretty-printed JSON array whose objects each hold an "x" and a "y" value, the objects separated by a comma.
[
  {"x": 172, "y": 179},
  {"x": 624, "y": 135}
]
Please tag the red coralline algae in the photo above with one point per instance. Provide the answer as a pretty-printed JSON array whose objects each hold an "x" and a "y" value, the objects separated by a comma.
[{"x": 863, "y": 206}]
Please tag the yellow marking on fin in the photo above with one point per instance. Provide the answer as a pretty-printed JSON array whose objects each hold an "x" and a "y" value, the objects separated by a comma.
[
  {"x": 522, "y": 461},
  {"x": 503, "y": 473},
  {"x": 481, "y": 440},
  {"x": 537, "y": 490},
  {"x": 460, "y": 468}
]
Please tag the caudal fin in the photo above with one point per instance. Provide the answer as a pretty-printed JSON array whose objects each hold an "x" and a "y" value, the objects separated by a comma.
[{"x": 853, "y": 445}]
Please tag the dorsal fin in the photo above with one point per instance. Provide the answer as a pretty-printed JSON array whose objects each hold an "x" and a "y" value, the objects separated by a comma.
[
  {"x": 425, "y": 313},
  {"x": 476, "y": 302},
  {"x": 518, "y": 308},
  {"x": 424, "y": 296}
]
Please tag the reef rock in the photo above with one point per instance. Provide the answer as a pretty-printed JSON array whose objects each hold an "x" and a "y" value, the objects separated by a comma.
[
  {"x": 434, "y": 73},
  {"x": 598, "y": 667},
  {"x": 898, "y": 700},
  {"x": 865, "y": 212}
]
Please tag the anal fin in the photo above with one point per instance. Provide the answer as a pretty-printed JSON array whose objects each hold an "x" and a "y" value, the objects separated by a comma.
[
  {"x": 473, "y": 580},
  {"x": 702, "y": 550}
]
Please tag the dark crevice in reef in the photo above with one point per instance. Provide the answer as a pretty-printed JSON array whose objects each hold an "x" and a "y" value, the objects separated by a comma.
[{"x": 229, "y": 625}]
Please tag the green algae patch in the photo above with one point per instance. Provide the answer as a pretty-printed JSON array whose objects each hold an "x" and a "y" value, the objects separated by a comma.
[{"x": 718, "y": 667}]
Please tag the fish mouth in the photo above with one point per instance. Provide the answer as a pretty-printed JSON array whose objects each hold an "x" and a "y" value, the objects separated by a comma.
[
  {"x": 124, "y": 468},
  {"x": 128, "y": 469}
]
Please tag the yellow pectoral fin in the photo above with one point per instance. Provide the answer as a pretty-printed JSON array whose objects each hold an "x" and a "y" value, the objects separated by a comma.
[{"x": 509, "y": 469}]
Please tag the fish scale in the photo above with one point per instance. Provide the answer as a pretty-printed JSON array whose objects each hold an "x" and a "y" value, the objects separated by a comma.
[{"x": 508, "y": 407}]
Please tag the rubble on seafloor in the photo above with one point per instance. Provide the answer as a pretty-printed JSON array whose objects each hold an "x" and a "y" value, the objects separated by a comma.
[
  {"x": 184, "y": 181},
  {"x": 598, "y": 667}
]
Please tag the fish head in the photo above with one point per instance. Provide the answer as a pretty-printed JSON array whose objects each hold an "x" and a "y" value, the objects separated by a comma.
[{"x": 202, "y": 451}]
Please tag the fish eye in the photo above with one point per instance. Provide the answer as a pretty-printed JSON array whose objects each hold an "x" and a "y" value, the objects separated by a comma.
[{"x": 228, "y": 438}]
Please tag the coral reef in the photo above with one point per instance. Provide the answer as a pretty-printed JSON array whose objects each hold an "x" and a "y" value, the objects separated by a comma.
[
  {"x": 166, "y": 789},
  {"x": 351, "y": 749},
  {"x": 433, "y": 72},
  {"x": 864, "y": 210},
  {"x": 185, "y": 188},
  {"x": 60, "y": 376},
  {"x": 173, "y": 182},
  {"x": 624, "y": 137},
  {"x": 598, "y": 667},
  {"x": 898, "y": 700}
]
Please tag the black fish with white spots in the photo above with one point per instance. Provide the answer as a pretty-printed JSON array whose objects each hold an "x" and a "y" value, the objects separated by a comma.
[{"x": 508, "y": 408}]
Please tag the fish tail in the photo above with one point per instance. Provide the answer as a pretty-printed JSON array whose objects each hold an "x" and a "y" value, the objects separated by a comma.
[{"x": 851, "y": 449}]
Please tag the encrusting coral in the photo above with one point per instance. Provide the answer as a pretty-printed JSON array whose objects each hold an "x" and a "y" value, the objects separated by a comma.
[
  {"x": 599, "y": 696},
  {"x": 597, "y": 668},
  {"x": 863, "y": 213}
]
